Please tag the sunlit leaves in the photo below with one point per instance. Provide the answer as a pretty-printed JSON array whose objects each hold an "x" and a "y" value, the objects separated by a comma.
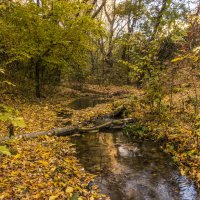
[
  {"x": 40, "y": 165},
  {"x": 53, "y": 197},
  {"x": 196, "y": 49},
  {"x": 18, "y": 122},
  {"x": 178, "y": 59},
  {"x": 8, "y": 83},
  {"x": 2, "y": 71},
  {"x": 4, "y": 150},
  {"x": 11, "y": 115},
  {"x": 193, "y": 56}
]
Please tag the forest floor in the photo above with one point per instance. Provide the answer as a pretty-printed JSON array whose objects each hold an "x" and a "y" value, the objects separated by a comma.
[
  {"x": 50, "y": 161},
  {"x": 46, "y": 167}
]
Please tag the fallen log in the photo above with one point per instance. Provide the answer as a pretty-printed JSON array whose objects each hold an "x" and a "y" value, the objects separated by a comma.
[
  {"x": 118, "y": 123},
  {"x": 100, "y": 127},
  {"x": 66, "y": 131}
]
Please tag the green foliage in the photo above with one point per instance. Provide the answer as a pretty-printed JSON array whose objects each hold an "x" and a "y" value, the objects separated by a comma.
[
  {"x": 129, "y": 8},
  {"x": 154, "y": 93},
  {"x": 8, "y": 114},
  {"x": 55, "y": 36},
  {"x": 5, "y": 150},
  {"x": 137, "y": 129},
  {"x": 75, "y": 196}
]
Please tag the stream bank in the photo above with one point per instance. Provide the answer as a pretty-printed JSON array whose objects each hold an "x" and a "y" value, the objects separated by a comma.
[
  {"x": 78, "y": 117},
  {"x": 35, "y": 163}
]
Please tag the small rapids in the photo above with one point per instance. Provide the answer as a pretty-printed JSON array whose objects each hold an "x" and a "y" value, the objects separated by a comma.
[{"x": 128, "y": 169}]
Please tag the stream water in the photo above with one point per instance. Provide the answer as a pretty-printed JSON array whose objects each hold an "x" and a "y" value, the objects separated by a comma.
[
  {"x": 128, "y": 169},
  {"x": 85, "y": 102}
]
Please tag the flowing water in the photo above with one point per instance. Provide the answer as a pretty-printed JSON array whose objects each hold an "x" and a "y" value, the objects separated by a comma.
[{"x": 128, "y": 169}]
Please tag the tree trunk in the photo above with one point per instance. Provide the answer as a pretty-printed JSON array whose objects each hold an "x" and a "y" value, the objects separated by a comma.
[{"x": 37, "y": 81}]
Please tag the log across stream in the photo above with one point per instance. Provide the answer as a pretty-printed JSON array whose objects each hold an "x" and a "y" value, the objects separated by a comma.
[
  {"x": 126, "y": 169},
  {"x": 129, "y": 169},
  {"x": 107, "y": 121}
]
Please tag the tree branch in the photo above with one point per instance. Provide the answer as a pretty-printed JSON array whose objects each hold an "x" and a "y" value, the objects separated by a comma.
[{"x": 99, "y": 9}]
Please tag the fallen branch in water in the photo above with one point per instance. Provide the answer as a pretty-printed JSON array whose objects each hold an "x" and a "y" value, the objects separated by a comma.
[
  {"x": 69, "y": 130},
  {"x": 66, "y": 131},
  {"x": 113, "y": 124}
]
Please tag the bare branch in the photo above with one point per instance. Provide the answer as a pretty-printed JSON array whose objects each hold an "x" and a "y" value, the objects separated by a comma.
[{"x": 99, "y": 9}]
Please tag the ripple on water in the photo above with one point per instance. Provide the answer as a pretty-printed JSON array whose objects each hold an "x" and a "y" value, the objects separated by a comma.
[
  {"x": 132, "y": 170},
  {"x": 187, "y": 188}
]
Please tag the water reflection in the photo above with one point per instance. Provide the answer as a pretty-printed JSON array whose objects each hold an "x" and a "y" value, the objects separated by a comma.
[
  {"x": 86, "y": 102},
  {"x": 132, "y": 170}
]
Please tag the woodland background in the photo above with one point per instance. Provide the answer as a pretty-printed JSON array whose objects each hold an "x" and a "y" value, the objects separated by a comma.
[{"x": 51, "y": 51}]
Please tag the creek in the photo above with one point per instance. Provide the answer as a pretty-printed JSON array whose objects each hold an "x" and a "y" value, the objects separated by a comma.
[
  {"x": 85, "y": 102},
  {"x": 129, "y": 169}
]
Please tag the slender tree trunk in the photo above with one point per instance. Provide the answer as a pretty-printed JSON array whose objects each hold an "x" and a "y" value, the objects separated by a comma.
[
  {"x": 38, "y": 2},
  {"x": 173, "y": 73},
  {"x": 37, "y": 81},
  {"x": 164, "y": 6}
]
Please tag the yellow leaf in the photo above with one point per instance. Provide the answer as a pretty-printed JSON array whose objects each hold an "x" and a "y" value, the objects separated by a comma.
[
  {"x": 17, "y": 156},
  {"x": 43, "y": 162},
  {"x": 53, "y": 197},
  {"x": 69, "y": 190},
  {"x": 9, "y": 83},
  {"x": 178, "y": 59},
  {"x": 182, "y": 172},
  {"x": 197, "y": 49}
]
